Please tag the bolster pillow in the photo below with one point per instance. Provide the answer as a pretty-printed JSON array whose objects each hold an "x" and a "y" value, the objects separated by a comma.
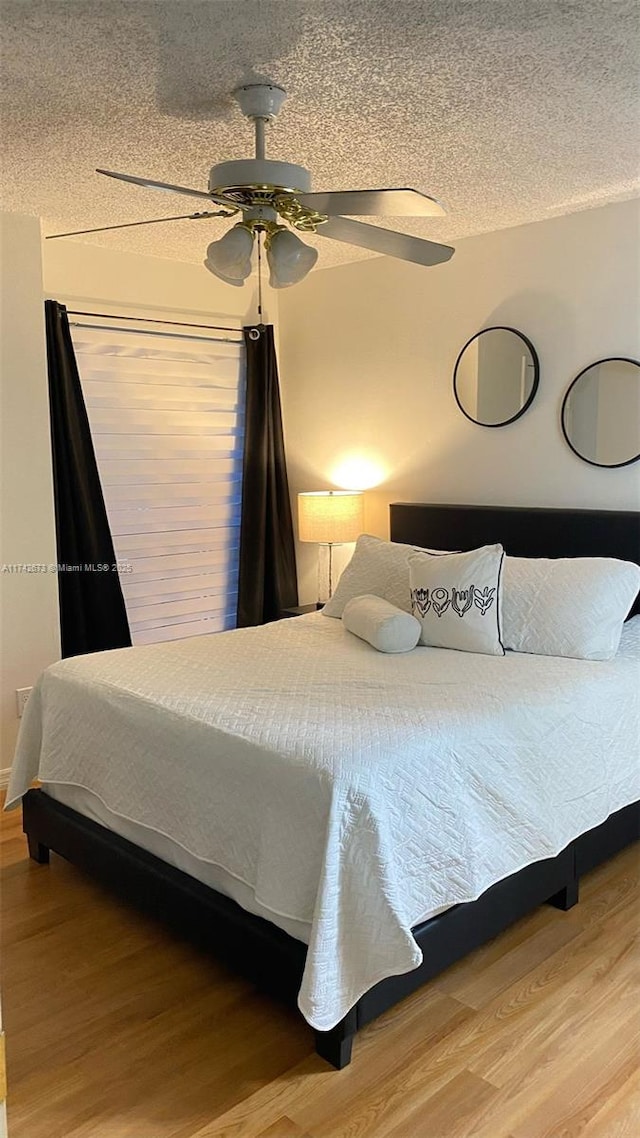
[{"x": 381, "y": 624}]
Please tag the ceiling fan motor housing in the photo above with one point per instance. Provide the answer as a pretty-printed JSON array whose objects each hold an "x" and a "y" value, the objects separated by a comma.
[{"x": 258, "y": 173}]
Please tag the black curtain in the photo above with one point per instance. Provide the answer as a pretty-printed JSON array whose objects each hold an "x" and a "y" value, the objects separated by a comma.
[
  {"x": 267, "y": 581},
  {"x": 92, "y": 610}
]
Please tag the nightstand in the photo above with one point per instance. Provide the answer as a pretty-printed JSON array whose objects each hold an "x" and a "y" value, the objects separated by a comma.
[{"x": 299, "y": 610}]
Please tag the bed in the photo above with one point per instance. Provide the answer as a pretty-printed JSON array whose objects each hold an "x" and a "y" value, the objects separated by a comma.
[{"x": 304, "y": 935}]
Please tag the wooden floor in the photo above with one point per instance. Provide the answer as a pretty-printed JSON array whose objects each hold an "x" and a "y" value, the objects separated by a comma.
[{"x": 117, "y": 1030}]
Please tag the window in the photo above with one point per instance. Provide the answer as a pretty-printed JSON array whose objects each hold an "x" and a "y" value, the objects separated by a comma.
[{"x": 166, "y": 411}]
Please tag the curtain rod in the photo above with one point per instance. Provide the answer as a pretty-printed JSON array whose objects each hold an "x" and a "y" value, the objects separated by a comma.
[
  {"x": 153, "y": 332},
  {"x": 149, "y": 320}
]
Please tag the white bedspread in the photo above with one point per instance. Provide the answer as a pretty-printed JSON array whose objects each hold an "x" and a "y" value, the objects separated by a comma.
[{"x": 351, "y": 790}]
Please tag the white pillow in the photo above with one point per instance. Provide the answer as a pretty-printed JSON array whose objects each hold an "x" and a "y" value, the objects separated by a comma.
[
  {"x": 456, "y": 597},
  {"x": 571, "y": 606},
  {"x": 383, "y": 626},
  {"x": 377, "y": 567}
]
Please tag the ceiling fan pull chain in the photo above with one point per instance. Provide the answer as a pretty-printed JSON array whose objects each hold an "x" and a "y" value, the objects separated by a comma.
[{"x": 259, "y": 239}]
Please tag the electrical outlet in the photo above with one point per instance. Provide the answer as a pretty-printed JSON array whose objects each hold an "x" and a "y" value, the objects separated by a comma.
[{"x": 22, "y": 695}]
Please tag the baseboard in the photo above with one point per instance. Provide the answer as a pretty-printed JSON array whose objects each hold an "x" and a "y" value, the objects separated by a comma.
[{"x": 4, "y": 778}]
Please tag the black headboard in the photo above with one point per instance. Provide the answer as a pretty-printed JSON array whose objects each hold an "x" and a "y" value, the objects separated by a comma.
[{"x": 524, "y": 532}]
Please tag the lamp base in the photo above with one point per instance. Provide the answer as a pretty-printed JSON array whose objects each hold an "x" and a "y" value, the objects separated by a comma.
[{"x": 325, "y": 574}]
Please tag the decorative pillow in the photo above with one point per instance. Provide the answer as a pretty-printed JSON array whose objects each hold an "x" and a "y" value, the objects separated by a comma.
[
  {"x": 378, "y": 567},
  {"x": 569, "y": 606},
  {"x": 456, "y": 597},
  {"x": 383, "y": 626}
]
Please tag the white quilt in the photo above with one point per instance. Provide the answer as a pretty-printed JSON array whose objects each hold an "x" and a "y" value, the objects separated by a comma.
[{"x": 355, "y": 791}]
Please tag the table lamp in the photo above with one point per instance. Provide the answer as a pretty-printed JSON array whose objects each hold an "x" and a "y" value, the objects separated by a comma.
[{"x": 329, "y": 517}]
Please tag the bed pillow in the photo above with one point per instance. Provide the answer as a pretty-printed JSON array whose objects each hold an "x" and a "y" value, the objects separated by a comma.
[
  {"x": 382, "y": 625},
  {"x": 379, "y": 568},
  {"x": 569, "y": 606},
  {"x": 457, "y": 596}
]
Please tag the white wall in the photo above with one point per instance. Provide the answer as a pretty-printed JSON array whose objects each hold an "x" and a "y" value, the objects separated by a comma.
[
  {"x": 368, "y": 351},
  {"x": 29, "y": 638},
  {"x": 121, "y": 282}
]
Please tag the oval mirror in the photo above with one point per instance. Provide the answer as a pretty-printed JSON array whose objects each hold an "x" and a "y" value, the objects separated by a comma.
[
  {"x": 496, "y": 377},
  {"x": 601, "y": 413}
]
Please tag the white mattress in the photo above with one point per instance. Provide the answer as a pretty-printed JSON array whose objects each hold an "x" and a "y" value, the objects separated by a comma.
[
  {"x": 348, "y": 792},
  {"x": 215, "y": 876}
]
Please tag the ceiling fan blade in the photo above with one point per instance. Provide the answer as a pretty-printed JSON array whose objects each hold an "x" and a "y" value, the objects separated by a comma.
[
  {"x": 131, "y": 224},
  {"x": 169, "y": 188},
  {"x": 373, "y": 203},
  {"x": 386, "y": 241}
]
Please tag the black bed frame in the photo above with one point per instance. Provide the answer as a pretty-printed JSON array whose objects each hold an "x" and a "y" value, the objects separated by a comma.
[{"x": 268, "y": 956}]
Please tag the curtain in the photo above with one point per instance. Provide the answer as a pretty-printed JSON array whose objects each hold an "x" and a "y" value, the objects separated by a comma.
[
  {"x": 92, "y": 610},
  {"x": 267, "y": 569}
]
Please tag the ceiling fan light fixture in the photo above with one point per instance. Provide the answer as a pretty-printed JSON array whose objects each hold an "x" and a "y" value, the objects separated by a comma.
[
  {"x": 289, "y": 258},
  {"x": 229, "y": 258}
]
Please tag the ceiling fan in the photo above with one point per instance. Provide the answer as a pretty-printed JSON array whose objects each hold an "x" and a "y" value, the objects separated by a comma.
[{"x": 263, "y": 191}]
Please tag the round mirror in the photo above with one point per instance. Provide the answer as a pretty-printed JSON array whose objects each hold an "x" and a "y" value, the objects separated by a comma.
[
  {"x": 496, "y": 377},
  {"x": 601, "y": 413}
]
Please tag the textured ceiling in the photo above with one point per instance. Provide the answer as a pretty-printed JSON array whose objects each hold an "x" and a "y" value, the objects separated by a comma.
[{"x": 506, "y": 110}]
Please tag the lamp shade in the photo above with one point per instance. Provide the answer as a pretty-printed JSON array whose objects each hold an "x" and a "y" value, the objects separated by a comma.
[
  {"x": 230, "y": 257},
  {"x": 289, "y": 258},
  {"x": 330, "y": 517}
]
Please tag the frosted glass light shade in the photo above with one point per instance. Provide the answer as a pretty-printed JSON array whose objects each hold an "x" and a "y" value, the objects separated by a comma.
[
  {"x": 230, "y": 257},
  {"x": 289, "y": 258},
  {"x": 330, "y": 517}
]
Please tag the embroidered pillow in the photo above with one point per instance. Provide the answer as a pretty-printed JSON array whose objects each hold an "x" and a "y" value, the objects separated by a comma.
[
  {"x": 377, "y": 567},
  {"x": 457, "y": 597},
  {"x": 569, "y": 606},
  {"x": 385, "y": 627}
]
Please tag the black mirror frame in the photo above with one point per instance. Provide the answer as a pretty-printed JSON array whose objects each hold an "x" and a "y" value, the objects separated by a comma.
[
  {"x": 536, "y": 375},
  {"x": 589, "y": 461}
]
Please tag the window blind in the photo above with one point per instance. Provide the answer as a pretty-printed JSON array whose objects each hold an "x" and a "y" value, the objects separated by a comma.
[{"x": 167, "y": 419}]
